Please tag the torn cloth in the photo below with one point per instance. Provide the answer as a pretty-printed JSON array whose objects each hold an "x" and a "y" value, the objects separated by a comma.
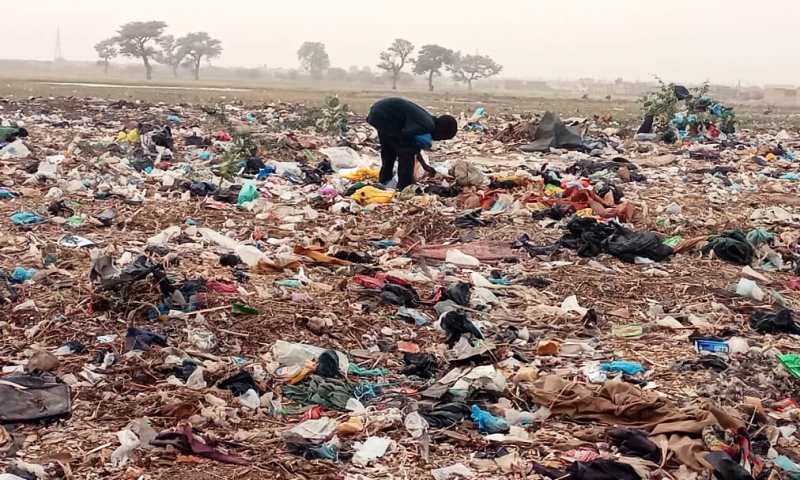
[
  {"x": 483, "y": 251},
  {"x": 618, "y": 403}
]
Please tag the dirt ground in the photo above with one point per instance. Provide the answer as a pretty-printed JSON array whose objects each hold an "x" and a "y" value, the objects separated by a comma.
[{"x": 69, "y": 307}]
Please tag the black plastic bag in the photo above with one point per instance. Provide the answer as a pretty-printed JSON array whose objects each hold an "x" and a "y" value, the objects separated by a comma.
[
  {"x": 459, "y": 292},
  {"x": 422, "y": 365},
  {"x": 631, "y": 441},
  {"x": 240, "y": 383},
  {"x": 328, "y": 364},
  {"x": 138, "y": 339},
  {"x": 400, "y": 295},
  {"x": 456, "y": 324},
  {"x": 781, "y": 321}
]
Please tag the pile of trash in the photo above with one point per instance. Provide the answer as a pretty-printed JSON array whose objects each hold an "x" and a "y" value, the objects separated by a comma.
[{"x": 226, "y": 290}]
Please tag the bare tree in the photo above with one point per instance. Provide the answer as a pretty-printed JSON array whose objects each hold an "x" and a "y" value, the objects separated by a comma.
[
  {"x": 106, "y": 50},
  {"x": 170, "y": 54},
  {"x": 136, "y": 39},
  {"x": 431, "y": 60},
  {"x": 395, "y": 58},
  {"x": 469, "y": 68},
  {"x": 195, "y": 46},
  {"x": 313, "y": 58}
]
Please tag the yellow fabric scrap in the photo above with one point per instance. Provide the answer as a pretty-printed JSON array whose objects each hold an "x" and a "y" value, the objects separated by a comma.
[
  {"x": 369, "y": 195},
  {"x": 362, "y": 173},
  {"x": 128, "y": 137},
  {"x": 553, "y": 191}
]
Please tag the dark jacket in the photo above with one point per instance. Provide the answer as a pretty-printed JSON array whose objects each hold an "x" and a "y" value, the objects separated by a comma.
[{"x": 400, "y": 119}]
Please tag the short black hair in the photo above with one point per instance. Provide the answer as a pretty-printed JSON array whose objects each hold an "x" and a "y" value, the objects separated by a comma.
[{"x": 445, "y": 127}]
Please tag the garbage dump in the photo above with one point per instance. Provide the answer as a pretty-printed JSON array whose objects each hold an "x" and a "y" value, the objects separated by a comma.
[{"x": 234, "y": 294}]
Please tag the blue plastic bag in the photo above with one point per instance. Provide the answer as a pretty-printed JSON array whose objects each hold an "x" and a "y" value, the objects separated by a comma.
[
  {"x": 26, "y": 218},
  {"x": 624, "y": 366},
  {"x": 21, "y": 274},
  {"x": 488, "y": 423},
  {"x": 6, "y": 194},
  {"x": 265, "y": 172},
  {"x": 787, "y": 465}
]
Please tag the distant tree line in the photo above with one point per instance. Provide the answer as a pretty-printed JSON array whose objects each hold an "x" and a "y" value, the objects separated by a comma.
[
  {"x": 146, "y": 41},
  {"x": 429, "y": 62}
]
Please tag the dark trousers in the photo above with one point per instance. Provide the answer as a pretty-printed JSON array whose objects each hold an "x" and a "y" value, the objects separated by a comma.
[{"x": 393, "y": 150}]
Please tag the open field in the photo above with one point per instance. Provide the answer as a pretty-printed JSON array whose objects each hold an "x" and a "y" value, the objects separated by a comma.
[{"x": 625, "y": 111}]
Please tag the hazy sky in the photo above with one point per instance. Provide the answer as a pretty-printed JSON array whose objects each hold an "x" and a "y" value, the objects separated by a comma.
[{"x": 682, "y": 40}]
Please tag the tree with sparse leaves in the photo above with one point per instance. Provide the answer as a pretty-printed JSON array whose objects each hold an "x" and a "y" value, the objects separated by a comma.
[
  {"x": 395, "y": 58},
  {"x": 468, "y": 68},
  {"x": 431, "y": 60},
  {"x": 106, "y": 50},
  {"x": 313, "y": 58},
  {"x": 197, "y": 45},
  {"x": 170, "y": 54},
  {"x": 137, "y": 40}
]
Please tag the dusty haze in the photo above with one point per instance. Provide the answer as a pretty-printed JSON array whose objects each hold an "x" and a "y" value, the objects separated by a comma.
[{"x": 726, "y": 41}]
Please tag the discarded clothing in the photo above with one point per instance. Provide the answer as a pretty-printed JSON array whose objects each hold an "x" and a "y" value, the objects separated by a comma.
[
  {"x": 781, "y": 321},
  {"x": 400, "y": 295},
  {"x": 634, "y": 442},
  {"x": 726, "y": 468},
  {"x": 555, "y": 212},
  {"x": 590, "y": 238},
  {"x": 240, "y": 383},
  {"x": 711, "y": 362},
  {"x": 731, "y": 246},
  {"x": 330, "y": 393},
  {"x": 443, "y": 415},
  {"x": 459, "y": 292},
  {"x": 138, "y": 339},
  {"x": 9, "y": 134},
  {"x": 456, "y": 323},
  {"x": 422, "y": 365},
  {"x": 444, "y": 192},
  {"x": 620, "y": 403},
  {"x": 471, "y": 218},
  {"x": 533, "y": 250},
  {"x": 184, "y": 440},
  {"x": 602, "y": 469},
  {"x": 483, "y": 251}
]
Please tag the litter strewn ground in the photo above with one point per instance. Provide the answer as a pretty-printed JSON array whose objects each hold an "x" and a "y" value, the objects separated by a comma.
[{"x": 224, "y": 291}]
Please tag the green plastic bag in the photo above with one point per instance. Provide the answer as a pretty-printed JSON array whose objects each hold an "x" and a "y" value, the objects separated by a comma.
[
  {"x": 244, "y": 309},
  {"x": 791, "y": 362},
  {"x": 248, "y": 193}
]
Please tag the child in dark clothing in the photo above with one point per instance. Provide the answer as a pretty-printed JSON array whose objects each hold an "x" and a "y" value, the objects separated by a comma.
[{"x": 404, "y": 128}]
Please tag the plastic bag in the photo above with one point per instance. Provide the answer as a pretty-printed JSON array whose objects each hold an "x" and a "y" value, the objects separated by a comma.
[
  {"x": 624, "y": 366},
  {"x": 15, "y": 149},
  {"x": 248, "y": 193},
  {"x": 342, "y": 158},
  {"x": 488, "y": 423}
]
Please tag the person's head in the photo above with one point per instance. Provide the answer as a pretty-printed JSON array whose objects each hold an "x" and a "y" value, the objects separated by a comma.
[{"x": 445, "y": 128}]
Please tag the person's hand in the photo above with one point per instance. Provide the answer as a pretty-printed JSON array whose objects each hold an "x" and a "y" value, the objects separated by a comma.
[{"x": 424, "y": 141}]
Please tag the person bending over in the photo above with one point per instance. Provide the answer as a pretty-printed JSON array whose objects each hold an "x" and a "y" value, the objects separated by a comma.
[{"x": 404, "y": 128}]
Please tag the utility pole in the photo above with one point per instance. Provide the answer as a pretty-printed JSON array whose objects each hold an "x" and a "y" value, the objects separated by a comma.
[{"x": 58, "y": 57}]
